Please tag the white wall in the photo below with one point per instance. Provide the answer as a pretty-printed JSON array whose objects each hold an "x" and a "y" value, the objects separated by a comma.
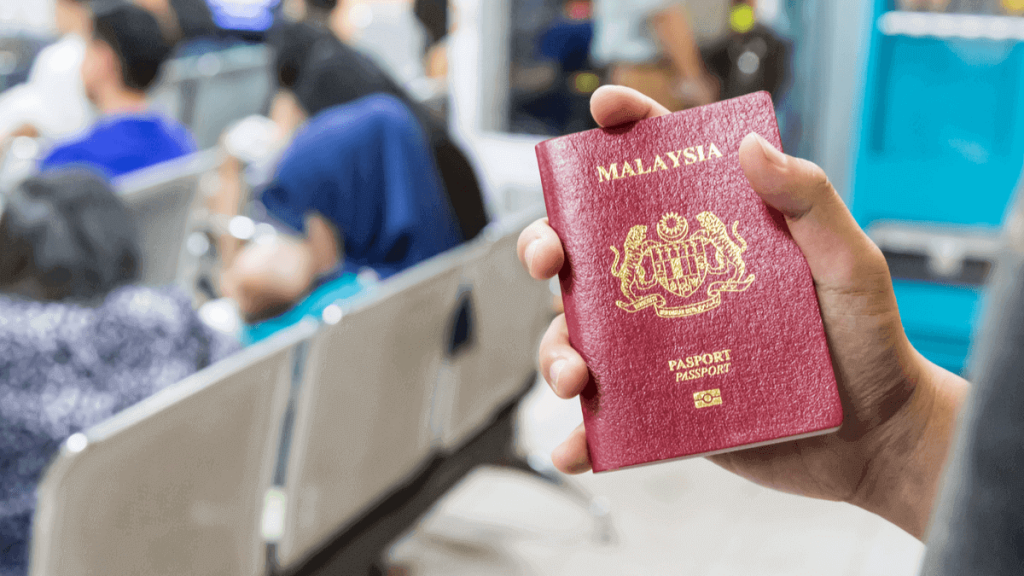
[
  {"x": 33, "y": 16},
  {"x": 478, "y": 83}
]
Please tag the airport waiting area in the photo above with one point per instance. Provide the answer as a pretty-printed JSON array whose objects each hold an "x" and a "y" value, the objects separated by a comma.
[{"x": 312, "y": 287}]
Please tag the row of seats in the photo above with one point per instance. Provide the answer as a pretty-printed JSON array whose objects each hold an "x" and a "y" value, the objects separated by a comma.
[
  {"x": 163, "y": 201},
  {"x": 208, "y": 92},
  {"x": 294, "y": 439}
]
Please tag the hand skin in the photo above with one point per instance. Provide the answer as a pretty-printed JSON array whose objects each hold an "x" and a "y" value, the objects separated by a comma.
[{"x": 900, "y": 409}]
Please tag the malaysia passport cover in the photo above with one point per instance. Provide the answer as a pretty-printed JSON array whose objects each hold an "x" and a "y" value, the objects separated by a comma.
[{"x": 687, "y": 297}]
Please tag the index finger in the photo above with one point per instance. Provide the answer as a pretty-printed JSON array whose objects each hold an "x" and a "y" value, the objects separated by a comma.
[
  {"x": 614, "y": 105},
  {"x": 540, "y": 250}
]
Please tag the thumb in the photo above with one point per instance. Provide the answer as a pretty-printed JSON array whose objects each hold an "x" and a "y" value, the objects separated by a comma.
[{"x": 838, "y": 252}]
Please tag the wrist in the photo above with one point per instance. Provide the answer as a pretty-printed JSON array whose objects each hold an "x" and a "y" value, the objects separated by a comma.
[{"x": 906, "y": 454}]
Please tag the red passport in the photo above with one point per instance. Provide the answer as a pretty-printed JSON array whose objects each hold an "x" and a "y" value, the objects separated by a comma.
[{"x": 683, "y": 291}]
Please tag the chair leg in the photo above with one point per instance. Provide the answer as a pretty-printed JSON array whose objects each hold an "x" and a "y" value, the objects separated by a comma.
[
  {"x": 383, "y": 568},
  {"x": 598, "y": 507}
]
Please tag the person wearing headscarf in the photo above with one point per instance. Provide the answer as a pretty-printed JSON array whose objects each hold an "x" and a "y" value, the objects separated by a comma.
[
  {"x": 357, "y": 189},
  {"x": 321, "y": 71}
]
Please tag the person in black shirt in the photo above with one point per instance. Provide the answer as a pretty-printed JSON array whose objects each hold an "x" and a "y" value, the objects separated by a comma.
[
  {"x": 194, "y": 18},
  {"x": 749, "y": 61},
  {"x": 433, "y": 14},
  {"x": 319, "y": 11}
]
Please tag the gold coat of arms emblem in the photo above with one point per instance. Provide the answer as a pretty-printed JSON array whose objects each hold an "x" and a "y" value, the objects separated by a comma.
[{"x": 683, "y": 274}]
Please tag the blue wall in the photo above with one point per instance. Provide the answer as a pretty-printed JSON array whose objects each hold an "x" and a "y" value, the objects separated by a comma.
[{"x": 942, "y": 142}]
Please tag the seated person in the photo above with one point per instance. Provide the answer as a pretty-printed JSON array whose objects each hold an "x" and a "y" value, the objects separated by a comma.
[
  {"x": 79, "y": 344},
  {"x": 360, "y": 187},
  {"x": 321, "y": 71},
  {"x": 121, "y": 61},
  {"x": 182, "y": 20},
  {"x": 196, "y": 27},
  {"x": 249, "y": 24},
  {"x": 433, "y": 15},
  {"x": 319, "y": 12},
  {"x": 327, "y": 290},
  {"x": 52, "y": 102}
]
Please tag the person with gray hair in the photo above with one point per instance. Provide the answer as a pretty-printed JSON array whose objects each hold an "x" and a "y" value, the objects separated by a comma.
[{"x": 80, "y": 342}]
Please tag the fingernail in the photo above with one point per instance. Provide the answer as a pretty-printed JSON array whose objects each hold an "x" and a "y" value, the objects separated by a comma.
[
  {"x": 554, "y": 372},
  {"x": 531, "y": 251},
  {"x": 771, "y": 152},
  {"x": 571, "y": 463}
]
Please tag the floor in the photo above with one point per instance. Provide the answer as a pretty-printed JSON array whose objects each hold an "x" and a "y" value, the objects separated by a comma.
[{"x": 679, "y": 518}]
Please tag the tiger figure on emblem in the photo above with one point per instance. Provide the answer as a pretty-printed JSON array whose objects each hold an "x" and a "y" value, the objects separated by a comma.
[{"x": 676, "y": 267}]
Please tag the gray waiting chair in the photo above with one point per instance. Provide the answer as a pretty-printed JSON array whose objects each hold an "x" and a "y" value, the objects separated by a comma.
[
  {"x": 174, "y": 485},
  {"x": 208, "y": 92},
  {"x": 361, "y": 422},
  {"x": 509, "y": 312},
  {"x": 232, "y": 85},
  {"x": 170, "y": 95},
  {"x": 162, "y": 201}
]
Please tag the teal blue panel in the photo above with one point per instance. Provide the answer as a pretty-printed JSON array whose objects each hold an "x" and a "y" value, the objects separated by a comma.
[
  {"x": 942, "y": 141},
  {"x": 939, "y": 320}
]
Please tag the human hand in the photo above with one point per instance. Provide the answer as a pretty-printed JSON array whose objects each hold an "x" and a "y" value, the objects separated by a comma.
[
  {"x": 26, "y": 130},
  {"x": 899, "y": 408}
]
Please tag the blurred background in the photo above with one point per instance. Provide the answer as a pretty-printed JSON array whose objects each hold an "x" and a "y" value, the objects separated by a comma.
[{"x": 305, "y": 211}]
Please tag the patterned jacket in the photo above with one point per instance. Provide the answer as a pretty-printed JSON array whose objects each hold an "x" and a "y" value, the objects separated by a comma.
[{"x": 66, "y": 367}]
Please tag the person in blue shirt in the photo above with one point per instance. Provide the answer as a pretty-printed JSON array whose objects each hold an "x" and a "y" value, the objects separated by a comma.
[
  {"x": 122, "y": 61},
  {"x": 357, "y": 189}
]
